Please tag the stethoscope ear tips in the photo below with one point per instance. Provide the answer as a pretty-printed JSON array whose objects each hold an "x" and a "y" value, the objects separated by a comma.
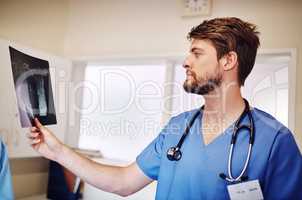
[{"x": 174, "y": 154}]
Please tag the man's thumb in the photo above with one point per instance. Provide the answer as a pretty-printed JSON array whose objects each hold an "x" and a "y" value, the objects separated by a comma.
[{"x": 38, "y": 124}]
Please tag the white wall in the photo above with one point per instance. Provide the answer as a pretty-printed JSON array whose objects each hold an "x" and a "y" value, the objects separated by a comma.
[{"x": 39, "y": 24}]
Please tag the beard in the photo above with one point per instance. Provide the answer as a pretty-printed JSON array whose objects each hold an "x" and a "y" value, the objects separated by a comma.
[{"x": 200, "y": 87}]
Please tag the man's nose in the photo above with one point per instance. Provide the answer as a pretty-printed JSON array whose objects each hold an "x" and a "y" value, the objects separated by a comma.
[
  {"x": 185, "y": 66},
  {"x": 186, "y": 63}
]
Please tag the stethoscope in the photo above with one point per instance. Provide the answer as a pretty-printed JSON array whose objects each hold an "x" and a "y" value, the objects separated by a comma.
[{"x": 174, "y": 153}]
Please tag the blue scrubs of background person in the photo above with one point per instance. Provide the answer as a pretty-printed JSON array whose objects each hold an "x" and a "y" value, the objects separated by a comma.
[
  {"x": 6, "y": 190},
  {"x": 275, "y": 161}
]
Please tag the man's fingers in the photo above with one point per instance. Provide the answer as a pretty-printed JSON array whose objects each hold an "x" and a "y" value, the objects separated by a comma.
[
  {"x": 38, "y": 124},
  {"x": 32, "y": 129},
  {"x": 33, "y": 134},
  {"x": 35, "y": 141}
]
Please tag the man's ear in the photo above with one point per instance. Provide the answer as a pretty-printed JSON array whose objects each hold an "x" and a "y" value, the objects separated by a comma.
[{"x": 229, "y": 61}]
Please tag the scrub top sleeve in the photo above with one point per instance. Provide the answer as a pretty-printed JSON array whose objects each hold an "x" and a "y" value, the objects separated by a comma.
[
  {"x": 150, "y": 158},
  {"x": 6, "y": 191},
  {"x": 283, "y": 179}
]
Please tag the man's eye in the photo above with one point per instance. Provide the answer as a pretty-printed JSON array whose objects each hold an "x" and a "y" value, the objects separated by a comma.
[{"x": 197, "y": 54}]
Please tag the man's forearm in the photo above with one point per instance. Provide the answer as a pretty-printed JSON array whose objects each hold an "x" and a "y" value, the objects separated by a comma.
[{"x": 104, "y": 177}]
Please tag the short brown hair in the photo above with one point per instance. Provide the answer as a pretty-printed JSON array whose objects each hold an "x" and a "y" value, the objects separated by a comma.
[{"x": 231, "y": 34}]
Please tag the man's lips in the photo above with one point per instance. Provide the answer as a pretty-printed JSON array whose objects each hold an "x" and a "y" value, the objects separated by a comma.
[{"x": 188, "y": 73}]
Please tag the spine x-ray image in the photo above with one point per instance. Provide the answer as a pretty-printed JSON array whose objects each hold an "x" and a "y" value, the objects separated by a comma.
[{"x": 33, "y": 89}]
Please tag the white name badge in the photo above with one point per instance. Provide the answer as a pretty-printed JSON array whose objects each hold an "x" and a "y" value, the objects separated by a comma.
[{"x": 249, "y": 190}]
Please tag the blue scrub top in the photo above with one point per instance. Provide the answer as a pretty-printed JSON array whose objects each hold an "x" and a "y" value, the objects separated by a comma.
[
  {"x": 275, "y": 161},
  {"x": 6, "y": 190}
]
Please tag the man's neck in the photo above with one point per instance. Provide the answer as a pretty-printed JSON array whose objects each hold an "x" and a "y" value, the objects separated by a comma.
[{"x": 225, "y": 104}]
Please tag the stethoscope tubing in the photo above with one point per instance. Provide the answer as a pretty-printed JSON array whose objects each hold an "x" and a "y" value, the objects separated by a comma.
[{"x": 231, "y": 178}]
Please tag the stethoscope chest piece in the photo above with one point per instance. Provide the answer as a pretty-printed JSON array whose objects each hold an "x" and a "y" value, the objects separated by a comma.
[{"x": 174, "y": 154}]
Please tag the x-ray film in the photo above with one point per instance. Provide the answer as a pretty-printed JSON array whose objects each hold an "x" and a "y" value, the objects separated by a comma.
[{"x": 33, "y": 89}]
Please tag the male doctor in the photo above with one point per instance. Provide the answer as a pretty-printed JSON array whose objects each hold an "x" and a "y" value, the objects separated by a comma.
[
  {"x": 6, "y": 191},
  {"x": 221, "y": 56}
]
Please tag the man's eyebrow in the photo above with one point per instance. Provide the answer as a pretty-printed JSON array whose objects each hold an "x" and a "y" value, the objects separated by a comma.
[{"x": 197, "y": 49}]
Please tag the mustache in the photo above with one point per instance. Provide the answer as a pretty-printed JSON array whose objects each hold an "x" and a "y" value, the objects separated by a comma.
[{"x": 190, "y": 73}]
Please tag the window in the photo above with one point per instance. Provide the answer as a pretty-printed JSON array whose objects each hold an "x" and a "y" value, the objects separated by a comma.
[
  {"x": 121, "y": 109},
  {"x": 267, "y": 86}
]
